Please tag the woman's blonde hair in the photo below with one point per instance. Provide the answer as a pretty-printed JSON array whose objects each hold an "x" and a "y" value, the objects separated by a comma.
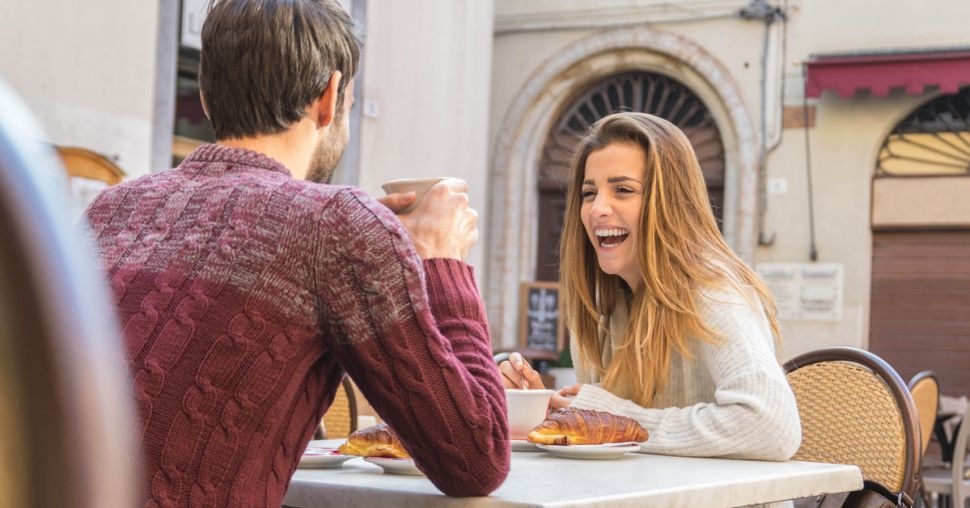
[{"x": 681, "y": 253}]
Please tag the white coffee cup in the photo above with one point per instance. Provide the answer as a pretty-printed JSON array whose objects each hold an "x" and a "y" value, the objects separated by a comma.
[
  {"x": 420, "y": 186},
  {"x": 527, "y": 408}
]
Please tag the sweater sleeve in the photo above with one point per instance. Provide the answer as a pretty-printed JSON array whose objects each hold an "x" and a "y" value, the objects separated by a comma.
[
  {"x": 753, "y": 415},
  {"x": 415, "y": 339}
]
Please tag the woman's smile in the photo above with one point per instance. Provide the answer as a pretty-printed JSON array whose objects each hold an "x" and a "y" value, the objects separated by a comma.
[{"x": 611, "y": 237}]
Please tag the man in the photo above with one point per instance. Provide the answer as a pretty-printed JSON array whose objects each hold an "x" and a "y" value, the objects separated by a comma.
[{"x": 245, "y": 292}]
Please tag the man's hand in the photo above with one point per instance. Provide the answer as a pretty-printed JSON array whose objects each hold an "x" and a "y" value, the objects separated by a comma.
[
  {"x": 398, "y": 201},
  {"x": 443, "y": 225}
]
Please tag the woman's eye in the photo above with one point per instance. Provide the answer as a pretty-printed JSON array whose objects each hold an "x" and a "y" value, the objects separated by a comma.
[
  {"x": 624, "y": 190},
  {"x": 588, "y": 193}
]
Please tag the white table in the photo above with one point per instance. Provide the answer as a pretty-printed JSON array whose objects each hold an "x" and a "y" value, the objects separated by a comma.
[{"x": 541, "y": 479}]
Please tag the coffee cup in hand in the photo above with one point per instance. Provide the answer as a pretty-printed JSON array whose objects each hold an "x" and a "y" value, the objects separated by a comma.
[
  {"x": 419, "y": 186},
  {"x": 442, "y": 225}
]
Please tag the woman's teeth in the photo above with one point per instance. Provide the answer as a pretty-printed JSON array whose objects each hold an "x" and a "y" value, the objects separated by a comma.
[{"x": 611, "y": 237}]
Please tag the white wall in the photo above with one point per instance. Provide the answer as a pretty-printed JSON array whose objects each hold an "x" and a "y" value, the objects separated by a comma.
[
  {"x": 87, "y": 70},
  {"x": 425, "y": 94}
]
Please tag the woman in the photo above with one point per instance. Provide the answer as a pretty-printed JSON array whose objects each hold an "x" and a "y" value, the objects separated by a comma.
[{"x": 667, "y": 324}]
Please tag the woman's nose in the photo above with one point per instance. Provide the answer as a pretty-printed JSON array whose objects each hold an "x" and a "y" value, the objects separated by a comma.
[{"x": 601, "y": 205}]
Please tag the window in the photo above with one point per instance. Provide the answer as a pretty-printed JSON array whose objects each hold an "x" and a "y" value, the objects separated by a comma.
[{"x": 933, "y": 140}]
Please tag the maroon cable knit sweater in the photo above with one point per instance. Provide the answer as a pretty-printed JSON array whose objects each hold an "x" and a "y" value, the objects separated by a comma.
[{"x": 245, "y": 294}]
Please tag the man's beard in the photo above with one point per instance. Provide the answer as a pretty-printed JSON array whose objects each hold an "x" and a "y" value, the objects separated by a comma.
[{"x": 326, "y": 155}]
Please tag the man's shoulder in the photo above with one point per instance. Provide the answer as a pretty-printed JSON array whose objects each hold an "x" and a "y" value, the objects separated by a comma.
[
  {"x": 354, "y": 223},
  {"x": 345, "y": 197},
  {"x": 141, "y": 184},
  {"x": 354, "y": 205},
  {"x": 340, "y": 207}
]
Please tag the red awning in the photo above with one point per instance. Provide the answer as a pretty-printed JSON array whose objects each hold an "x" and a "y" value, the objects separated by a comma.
[{"x": 912, "y": 71}]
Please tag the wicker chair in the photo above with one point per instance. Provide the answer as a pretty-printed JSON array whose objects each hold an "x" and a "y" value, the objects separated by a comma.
[
  {"x": 925, "y": 389},
  {"x": 855, "y": 409},
  {"x": 341, "y": 418}
]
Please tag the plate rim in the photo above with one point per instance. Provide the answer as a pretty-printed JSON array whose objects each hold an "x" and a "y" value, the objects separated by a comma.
[
  {"x": 589, "y": 450},
  {"x": 401, "y": 464},
  {"x": 522, "y": 445},
  {"x": 323, "y": 461}
]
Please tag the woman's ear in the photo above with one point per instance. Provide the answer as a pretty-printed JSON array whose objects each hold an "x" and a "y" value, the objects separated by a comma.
[{"x": 327, "y": 103}]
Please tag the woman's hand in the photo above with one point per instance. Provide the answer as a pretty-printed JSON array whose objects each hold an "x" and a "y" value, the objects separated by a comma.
[
  {"x": 517, "y": 373},
  {"x": 564, "y": 398}
]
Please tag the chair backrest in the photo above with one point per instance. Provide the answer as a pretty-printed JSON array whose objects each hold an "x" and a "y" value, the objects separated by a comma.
[
  {"x": 855, "y": 409},
  {"x": 83, "y": 163},
  {"x": 67, "y": 423},
  {"x": 341, "y": 418},
  {"x": 925, "y": 389}
]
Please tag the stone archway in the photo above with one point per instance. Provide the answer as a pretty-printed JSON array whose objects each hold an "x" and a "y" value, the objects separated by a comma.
[{"x": 513, "y": 220}]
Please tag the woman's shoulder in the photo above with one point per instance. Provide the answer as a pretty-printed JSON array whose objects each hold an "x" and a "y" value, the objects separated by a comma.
[
  {"x": 728, "y": 289},
  {"x": 730, "y": 300}
]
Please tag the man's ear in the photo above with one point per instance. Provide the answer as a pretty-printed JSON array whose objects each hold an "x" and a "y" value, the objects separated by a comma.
[
  {"x": 327, "y": 103},
  {"x": 205, "y": 109}
]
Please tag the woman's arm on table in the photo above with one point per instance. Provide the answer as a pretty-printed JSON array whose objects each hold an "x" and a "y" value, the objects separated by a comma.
[{"x": 753, "y": 416}]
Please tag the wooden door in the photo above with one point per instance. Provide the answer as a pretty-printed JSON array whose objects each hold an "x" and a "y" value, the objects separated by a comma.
[{"x": 920, "y": 316}]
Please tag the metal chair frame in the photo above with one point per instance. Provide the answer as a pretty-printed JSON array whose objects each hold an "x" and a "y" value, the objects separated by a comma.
[
  {"x": 335, "y": 413},
  {"x": 953, "y": 481}
]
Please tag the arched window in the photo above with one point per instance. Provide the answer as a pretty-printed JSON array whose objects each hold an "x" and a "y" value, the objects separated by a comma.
[
  {"x": 933, "y": 140},
  {"x": 642, "y": 91}
]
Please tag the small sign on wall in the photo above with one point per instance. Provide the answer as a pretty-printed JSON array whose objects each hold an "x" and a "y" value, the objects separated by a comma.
[
  {"x": 805, "y": 291},
  {"x": 540, "y": 321},
  {"x": 193, "y": 15}
]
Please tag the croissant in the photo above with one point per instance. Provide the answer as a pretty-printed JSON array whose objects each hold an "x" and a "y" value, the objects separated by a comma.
[
  {"x": 570, "y": 426},
  {"x": 375, "y": 441}
]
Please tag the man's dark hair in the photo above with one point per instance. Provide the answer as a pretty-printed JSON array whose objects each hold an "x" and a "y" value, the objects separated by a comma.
[{"x": 264, "y": 61}]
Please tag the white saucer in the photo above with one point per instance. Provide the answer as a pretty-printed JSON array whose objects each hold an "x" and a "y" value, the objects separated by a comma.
[
  {"x": 603, "y": 451},
  {"x": 523, "y": 445},
  {"x": 395, "y": 466},
  {"x": 319, "y": 457}
]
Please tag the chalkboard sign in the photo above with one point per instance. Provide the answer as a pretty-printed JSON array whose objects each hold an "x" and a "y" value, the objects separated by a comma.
[{"x": 540, "y": 321}]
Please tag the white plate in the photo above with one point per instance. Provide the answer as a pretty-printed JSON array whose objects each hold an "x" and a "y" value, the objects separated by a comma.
[
  {"x": 603, "y": 451},
  {"x": 395, "y": 466},
  {"x": 319, "y": 457},
  {"x": 523, "y": 445}
]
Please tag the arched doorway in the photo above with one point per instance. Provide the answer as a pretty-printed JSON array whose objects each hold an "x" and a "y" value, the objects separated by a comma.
[
  {"x": 643, "y": 91},
  {"x": 921, "y": 243}
]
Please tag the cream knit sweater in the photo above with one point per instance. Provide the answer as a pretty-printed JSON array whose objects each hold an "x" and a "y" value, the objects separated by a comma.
[{"x": 731, "y": 399}]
